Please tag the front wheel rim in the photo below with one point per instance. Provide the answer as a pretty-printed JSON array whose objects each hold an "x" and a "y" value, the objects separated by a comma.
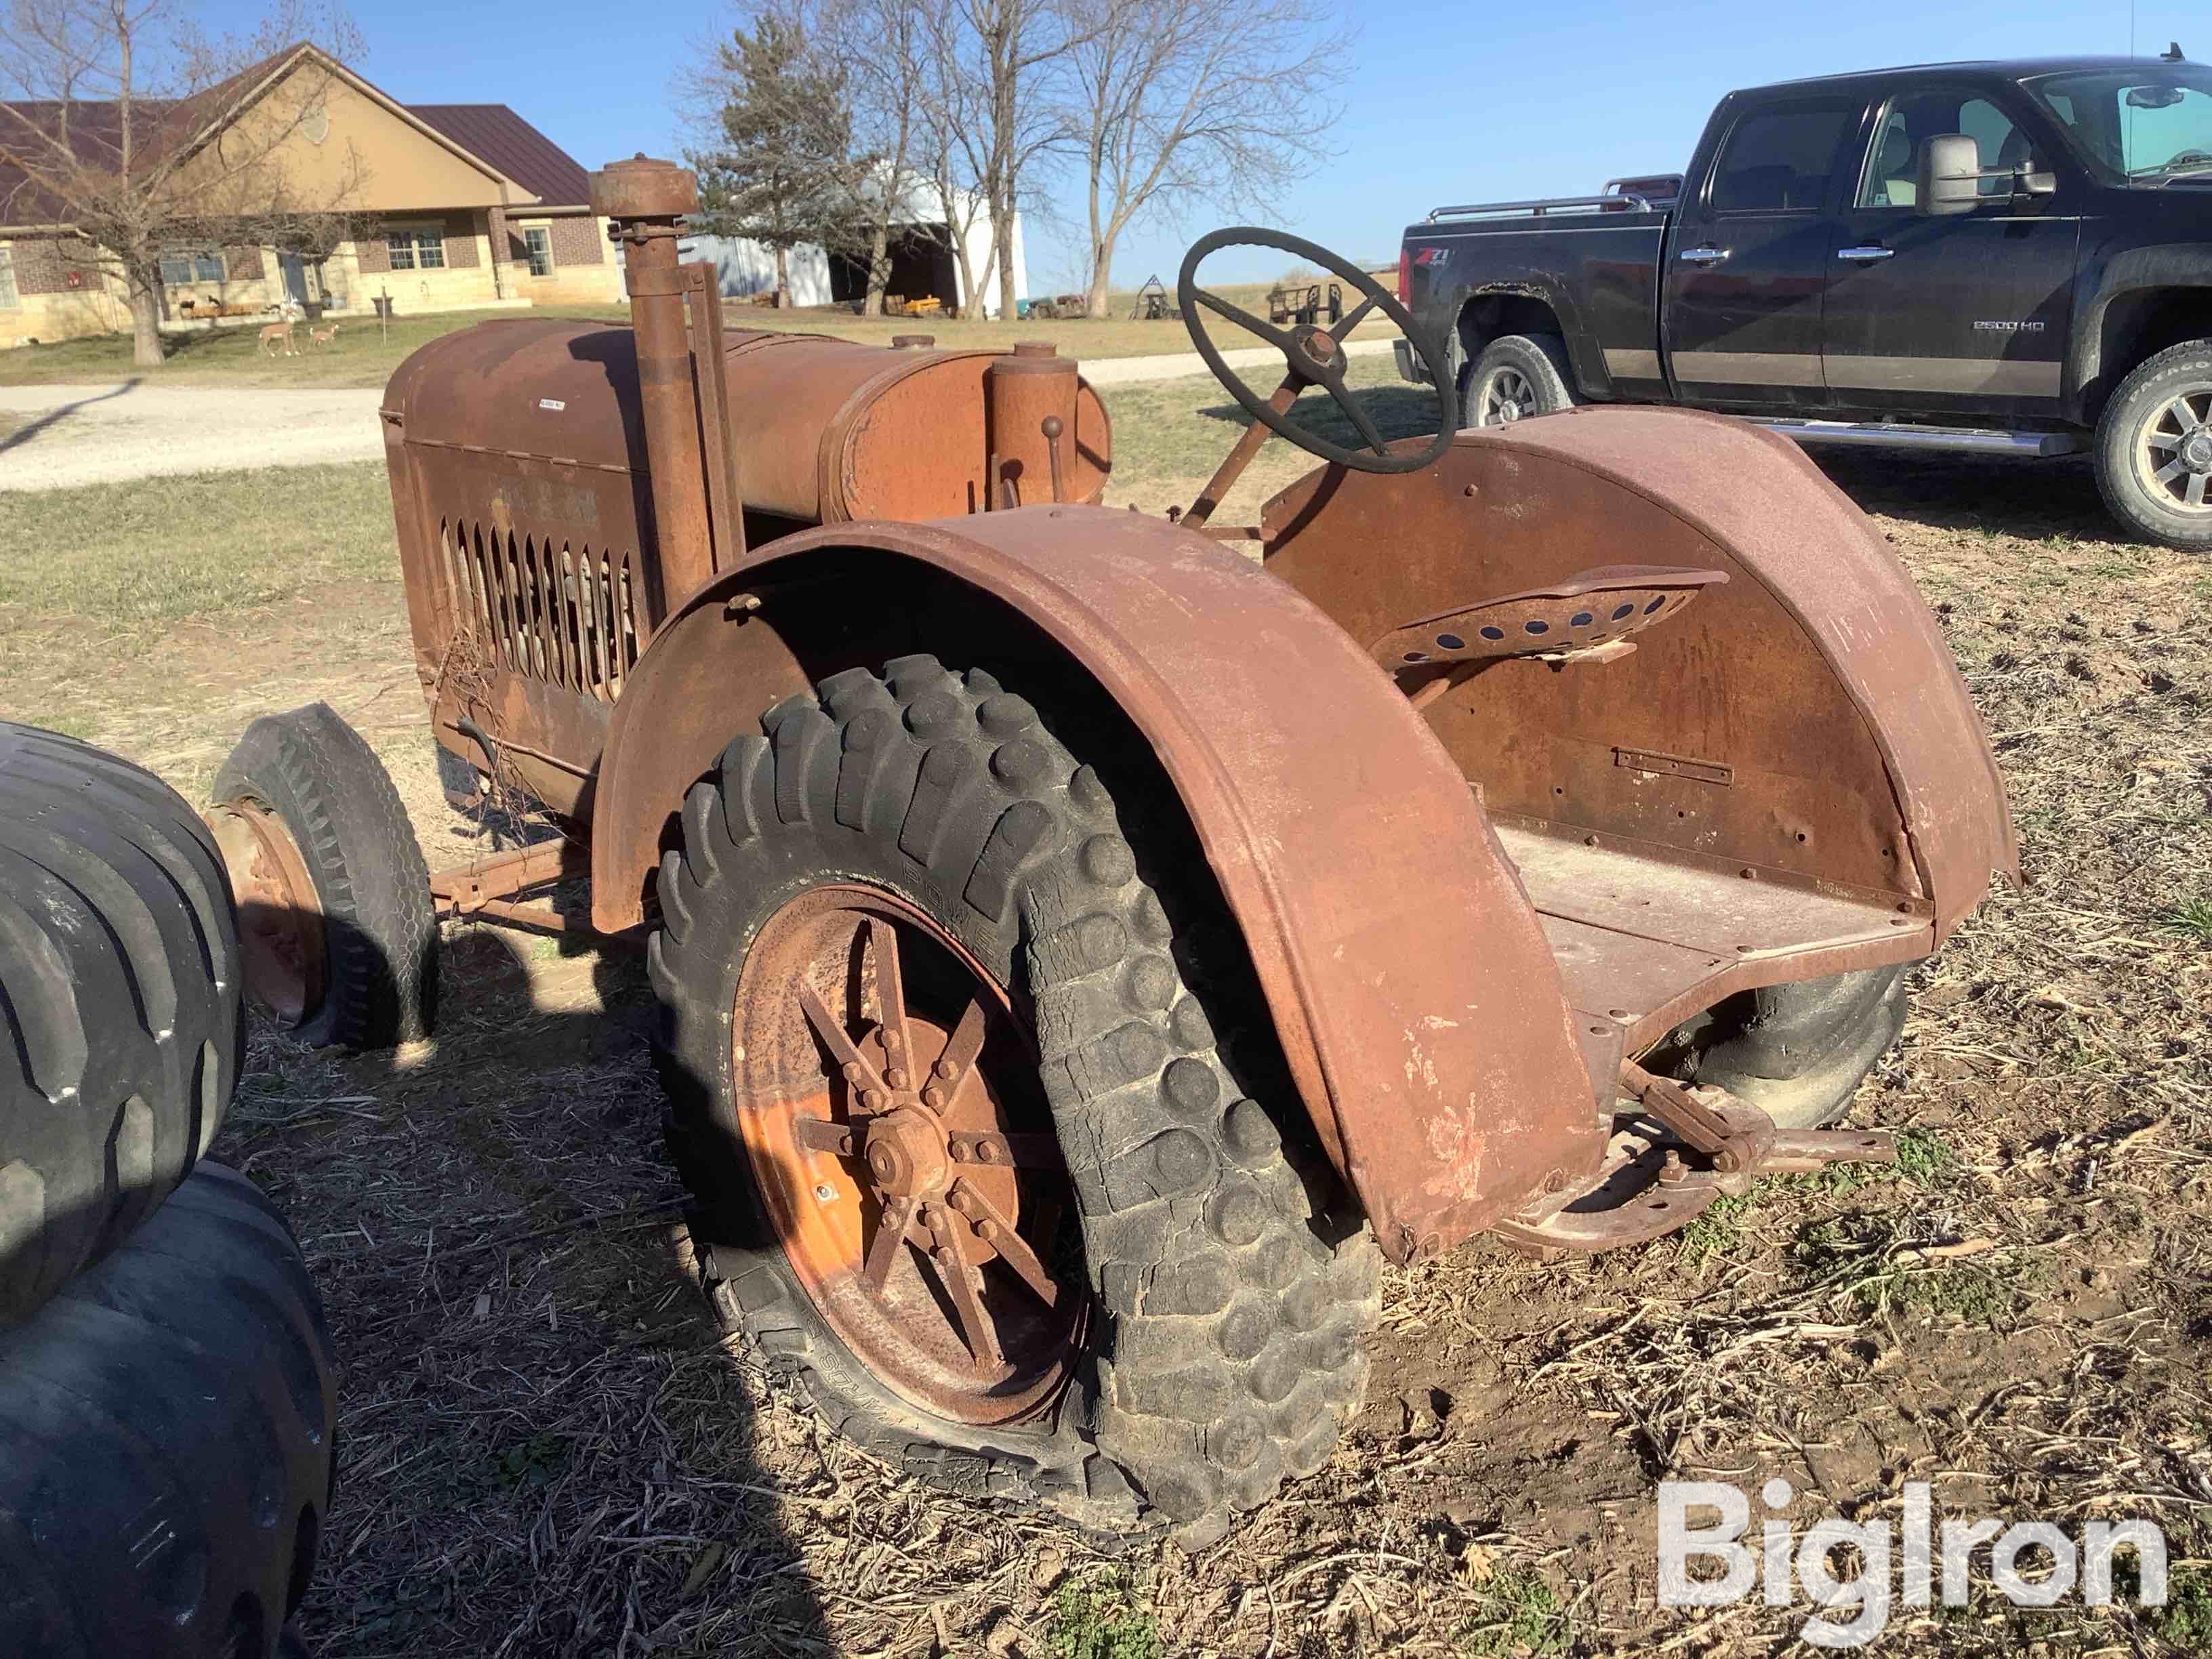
[
  {"x": 2173, "y": 456},
  {"x": 280, "y": 915},
  {"x": 888, "y": 1099}
]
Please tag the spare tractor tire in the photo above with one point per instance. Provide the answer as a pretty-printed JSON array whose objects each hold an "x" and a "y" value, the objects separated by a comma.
[
  {"x": 340, "y": 936},
  {"x": 119, "y": 977},
  {"x": 973, "y": 1164},
  {"x": 166, "y": 1427},
  {"x": 1796, "y": 1052}
]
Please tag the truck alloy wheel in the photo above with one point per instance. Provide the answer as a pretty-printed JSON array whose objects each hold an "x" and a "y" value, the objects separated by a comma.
[
  {"x": 971, "y": 1163},
  {"x": 2154, "y": 447},
  {"x": 1516, "y": 378}
]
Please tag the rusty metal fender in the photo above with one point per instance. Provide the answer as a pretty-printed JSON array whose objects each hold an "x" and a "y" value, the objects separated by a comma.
[{"x": 1423, "y": 1020}]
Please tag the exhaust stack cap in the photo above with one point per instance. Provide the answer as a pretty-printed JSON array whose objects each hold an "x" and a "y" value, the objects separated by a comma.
[{"x": 644, "y": 188}]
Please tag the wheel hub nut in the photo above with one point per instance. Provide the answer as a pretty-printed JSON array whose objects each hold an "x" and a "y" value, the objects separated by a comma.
[{"x": 907, "y": 1153}]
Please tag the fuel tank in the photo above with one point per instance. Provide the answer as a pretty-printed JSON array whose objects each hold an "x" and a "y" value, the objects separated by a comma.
[{"x": 824, "y": 430}]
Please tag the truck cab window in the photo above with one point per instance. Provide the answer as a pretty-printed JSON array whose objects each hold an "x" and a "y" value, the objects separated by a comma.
[
  {"x": 1910, "y": 121},
  {"x": 2141, "y": 123},
  {"x": 1778, "y": 161}
]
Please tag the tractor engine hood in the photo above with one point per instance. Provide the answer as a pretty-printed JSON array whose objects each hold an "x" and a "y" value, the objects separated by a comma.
[{"x": 823, "y": 430}]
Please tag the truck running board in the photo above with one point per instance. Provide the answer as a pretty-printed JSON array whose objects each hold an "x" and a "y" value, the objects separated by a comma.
[{"x": 1969, "y": 440}]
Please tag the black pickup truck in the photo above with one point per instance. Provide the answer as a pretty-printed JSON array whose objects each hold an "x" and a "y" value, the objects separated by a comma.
[{"x": 2000, "y": 256}]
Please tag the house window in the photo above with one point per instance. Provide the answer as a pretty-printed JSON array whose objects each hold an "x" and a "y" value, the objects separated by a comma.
[
  {"x": 417, "y": 249},
  {"x": 539, "y": 242},
  {"x": 181, "y": 268},
  {"x": 9, "y": 299}
]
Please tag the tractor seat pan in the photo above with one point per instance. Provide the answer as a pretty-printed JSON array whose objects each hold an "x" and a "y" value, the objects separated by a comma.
[{"x": 1595, "y": 608}]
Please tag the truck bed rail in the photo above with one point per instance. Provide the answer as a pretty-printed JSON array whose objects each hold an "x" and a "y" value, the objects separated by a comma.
[{"x": 1658, "y": 189}]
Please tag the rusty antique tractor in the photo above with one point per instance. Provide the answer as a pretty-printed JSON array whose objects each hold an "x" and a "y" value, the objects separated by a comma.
[{"x": 1086, "y": 952}]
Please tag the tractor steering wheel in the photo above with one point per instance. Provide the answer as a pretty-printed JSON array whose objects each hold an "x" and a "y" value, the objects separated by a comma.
[{"x": 1313, "y": 355}]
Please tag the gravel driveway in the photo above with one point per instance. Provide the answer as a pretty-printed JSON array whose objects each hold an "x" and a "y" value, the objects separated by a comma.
[
  {"x": 54, "y": 436},
  {"x": 83, "y": 434}
]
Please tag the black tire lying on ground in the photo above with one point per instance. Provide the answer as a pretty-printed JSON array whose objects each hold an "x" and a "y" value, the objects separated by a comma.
[
  {"x": 119, "y": 982},
  {"x": 1227, "y": 1297},
  {"x": 1797, "y": 1052},
  {"x": 309, "y": 775},
  {"x": 167, "y": 1430}
]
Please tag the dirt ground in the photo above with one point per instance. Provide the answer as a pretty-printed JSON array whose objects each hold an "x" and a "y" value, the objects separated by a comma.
[{"x": 545, "y": 1451}]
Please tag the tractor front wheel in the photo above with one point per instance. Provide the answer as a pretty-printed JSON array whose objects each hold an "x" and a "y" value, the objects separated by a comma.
[{"x": 971, "y": 1160}]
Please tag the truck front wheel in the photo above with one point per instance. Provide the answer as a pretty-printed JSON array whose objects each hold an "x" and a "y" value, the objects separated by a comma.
[
  {"x": 1516, "y": 378},
  {"x": 2154, "y": 447}
]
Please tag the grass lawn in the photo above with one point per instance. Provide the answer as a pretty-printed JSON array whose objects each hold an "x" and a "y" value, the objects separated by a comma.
[{"x": 361, "y": 356}]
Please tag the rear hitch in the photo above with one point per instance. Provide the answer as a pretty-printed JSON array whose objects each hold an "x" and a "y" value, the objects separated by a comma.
[{"x": 1670, "y": 1159}]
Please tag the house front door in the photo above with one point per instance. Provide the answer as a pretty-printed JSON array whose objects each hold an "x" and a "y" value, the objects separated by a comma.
[{"x": 295, "y": 277}]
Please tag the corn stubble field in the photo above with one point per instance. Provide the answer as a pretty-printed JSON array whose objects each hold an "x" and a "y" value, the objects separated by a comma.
[{"x": 545, "y": 1451}]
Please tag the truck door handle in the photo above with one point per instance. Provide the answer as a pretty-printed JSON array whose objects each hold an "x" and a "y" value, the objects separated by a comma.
[
  {"x": 1707, "y": 255},
  {"x": 1864, "y": 254}
]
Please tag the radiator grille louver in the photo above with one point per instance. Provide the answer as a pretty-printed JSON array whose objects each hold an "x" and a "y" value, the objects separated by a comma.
[{"x": 543, "y": 606}]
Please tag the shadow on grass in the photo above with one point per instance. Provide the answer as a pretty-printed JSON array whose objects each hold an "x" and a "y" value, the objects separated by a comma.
[
  {"x": 544, "y": 1447},
  {"x": 31, "y": 430},
  {"x": 1989, "y": 495}
]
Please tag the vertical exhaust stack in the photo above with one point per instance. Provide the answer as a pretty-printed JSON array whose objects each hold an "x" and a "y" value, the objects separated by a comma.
[{"x": 645, "y": 197}]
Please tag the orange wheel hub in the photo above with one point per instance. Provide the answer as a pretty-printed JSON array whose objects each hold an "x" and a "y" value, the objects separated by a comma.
[{"x": 888, "y": 1097}]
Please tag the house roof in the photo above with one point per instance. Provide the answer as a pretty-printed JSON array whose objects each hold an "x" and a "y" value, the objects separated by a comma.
[
  {"x": 491, "y": 136},
  {"x": 495, "y": 133}
]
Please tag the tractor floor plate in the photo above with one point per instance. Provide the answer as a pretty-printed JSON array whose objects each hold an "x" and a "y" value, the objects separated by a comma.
[{"x": 1643, "y": 942}]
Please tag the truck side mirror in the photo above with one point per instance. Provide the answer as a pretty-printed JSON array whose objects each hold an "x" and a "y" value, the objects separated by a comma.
[
  {"x": 2029, "y": 182},
  {"x": 1949, "y": 174}
]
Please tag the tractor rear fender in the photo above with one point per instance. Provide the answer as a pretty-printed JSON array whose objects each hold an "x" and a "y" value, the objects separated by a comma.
[{"x": 1416, "y": 1002}]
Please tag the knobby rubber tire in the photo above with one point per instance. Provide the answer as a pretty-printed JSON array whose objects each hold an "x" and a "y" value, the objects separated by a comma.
[
  {"x": 166, "y": 1442},
  {"x": 1225, "y": 1348},
  {"x": 1541, "y": 360},
  {"x": 120, "y": 983},
  {"x": 380, "y": 933},
  {"x": 1799, "y": 1052},
  {"x": 2132, "y": 500}
]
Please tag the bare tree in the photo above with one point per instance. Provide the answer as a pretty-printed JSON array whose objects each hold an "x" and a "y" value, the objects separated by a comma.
[
  {"x": 127, "y": 127},
  {"x": 1178, "y": 102},
  {"x": 777, "y": 165},
  {"x": 883, "y": 47},
  {"x": 999, "y": 61}
]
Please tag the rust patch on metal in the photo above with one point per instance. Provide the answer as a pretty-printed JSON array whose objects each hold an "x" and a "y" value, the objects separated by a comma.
[{"x": 280, "y": 914}]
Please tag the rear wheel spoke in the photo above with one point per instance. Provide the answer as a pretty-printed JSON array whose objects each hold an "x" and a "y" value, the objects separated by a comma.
[
  {"x": 2196, "y": 493},
  {"x": 2181, "y": 411},
  {"x": 960, "y": 1051},
  {"x": 890, "y": 1001},
  {"x": 2171, "y": 470},
  {"x": 831, "y": 1030},
  {"x": 891, "y": 1228},
  {"x": 1013, "y": 1249},
  {"x": 950, "y": 1264},
  {"x": 819, "y": 1134}
]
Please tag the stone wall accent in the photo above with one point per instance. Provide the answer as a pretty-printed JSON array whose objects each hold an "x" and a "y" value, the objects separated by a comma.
[
  {"x": 374, "y": 257},
  {"x": 244, "y": 264}
]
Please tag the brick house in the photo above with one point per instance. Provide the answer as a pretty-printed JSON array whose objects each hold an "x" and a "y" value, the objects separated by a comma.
[{"x": 471, "y": 208}]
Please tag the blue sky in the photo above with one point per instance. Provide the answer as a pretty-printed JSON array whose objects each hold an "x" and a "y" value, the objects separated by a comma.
[{"x": 1448, "y": 102}]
